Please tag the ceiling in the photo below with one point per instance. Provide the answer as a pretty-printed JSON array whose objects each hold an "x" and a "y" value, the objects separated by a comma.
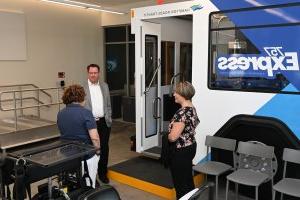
[
  {"x": 110, "y": 3},
  {"x": 113, "y": 3}
]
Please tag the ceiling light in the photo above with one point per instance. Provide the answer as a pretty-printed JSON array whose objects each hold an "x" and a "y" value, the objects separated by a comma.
[
  {"x": 109, "y": 11},
  {"x": 82, "y": 5},
  {"x": 62, "y": 3}
]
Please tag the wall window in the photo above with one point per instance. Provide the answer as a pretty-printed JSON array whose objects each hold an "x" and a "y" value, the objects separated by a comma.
[
  {"x": 120, "y": 59},
  {"x": 167, "y": 62},
  {"x": 186, "y": 61},
  {"x": 115, "y": 34},
  {"x": 116, "y": 66}
]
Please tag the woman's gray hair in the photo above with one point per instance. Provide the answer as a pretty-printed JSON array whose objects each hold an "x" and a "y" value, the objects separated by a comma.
[{"x": 185, "y": 89}]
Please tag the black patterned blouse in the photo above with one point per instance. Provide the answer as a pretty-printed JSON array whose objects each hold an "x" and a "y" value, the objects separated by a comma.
[{"x": 188, "y": 116}]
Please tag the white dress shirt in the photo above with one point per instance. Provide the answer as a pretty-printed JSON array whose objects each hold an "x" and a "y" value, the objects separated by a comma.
[{"x": 96, "y": 99}]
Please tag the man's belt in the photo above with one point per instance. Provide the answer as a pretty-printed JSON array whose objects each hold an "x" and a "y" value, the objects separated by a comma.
[{"x": 98, "y": 118}]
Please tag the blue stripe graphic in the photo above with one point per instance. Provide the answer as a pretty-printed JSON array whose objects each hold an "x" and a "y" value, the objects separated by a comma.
[
  {"x": 233, "y": 4},
  {"x": 284, "y": 107}
]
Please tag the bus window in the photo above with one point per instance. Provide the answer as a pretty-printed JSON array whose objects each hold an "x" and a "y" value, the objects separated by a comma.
[{"x": 254, "y": 53}]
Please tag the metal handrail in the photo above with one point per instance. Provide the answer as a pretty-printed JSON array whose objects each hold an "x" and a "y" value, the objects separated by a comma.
[
  {"x": 171, "y": 90},
  {"x": 27, "y": 90},
  {"x": 35, "y": 106},
  {"x": 153, "y": 77},
  {"x": 27, "y": 84},
  {"x": 38, "y": 105},
  {"x": 21, "y": 99}
]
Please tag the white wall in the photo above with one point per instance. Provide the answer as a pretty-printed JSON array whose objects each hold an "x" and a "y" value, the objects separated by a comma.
[
  {"x": 59, "y": 38},
  {"x": 174, "y": 29},
  {"x": 109, "y": 19}
]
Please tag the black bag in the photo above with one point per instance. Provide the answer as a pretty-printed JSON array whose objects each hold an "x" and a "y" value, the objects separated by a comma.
[
  {"x": 105, "y": 192},
  {"x": 73, "y": 195},
  {"x": 84, "y": 192},
  {"x": 85, "y": 176},
  {"x": 57, "y": 195},
  {"x": 167, "y": 150}
]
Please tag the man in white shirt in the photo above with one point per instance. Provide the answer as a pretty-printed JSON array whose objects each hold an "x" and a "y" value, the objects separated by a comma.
[{"x": 98, "y": 101}]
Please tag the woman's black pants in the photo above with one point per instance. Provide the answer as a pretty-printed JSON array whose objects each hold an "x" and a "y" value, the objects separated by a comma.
[{"x": 181, "y": 169}]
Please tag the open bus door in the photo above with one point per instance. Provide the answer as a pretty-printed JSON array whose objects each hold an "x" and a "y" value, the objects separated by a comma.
[{"x": 150, "y": 74}]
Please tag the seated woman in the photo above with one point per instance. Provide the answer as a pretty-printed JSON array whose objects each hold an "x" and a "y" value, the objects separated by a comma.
[{"x": 77, "y": 123}]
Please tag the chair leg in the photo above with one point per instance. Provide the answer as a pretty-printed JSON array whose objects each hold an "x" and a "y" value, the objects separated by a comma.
[
  {"x": 217, "y": 184},
  {"x": 274, "y": 195},
  {"x": 256, "y": 193},
  {"x": 227, "y": 185},
  {"x": 272, "y": 183},
  {"x": 236, "y": 191}
]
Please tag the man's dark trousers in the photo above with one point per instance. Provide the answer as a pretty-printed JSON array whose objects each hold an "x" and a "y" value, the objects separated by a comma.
[{"x": 104, "y": 133}]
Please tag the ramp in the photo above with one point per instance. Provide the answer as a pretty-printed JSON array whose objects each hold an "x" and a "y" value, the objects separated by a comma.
[
  {"x": 148, "y": 175},
  {"x": 15, "y": 139}
]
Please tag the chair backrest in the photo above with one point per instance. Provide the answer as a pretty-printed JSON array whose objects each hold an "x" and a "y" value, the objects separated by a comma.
[
  {"x": 220, "y": 143},
  {"x": 291, "y": 155},
  {"x": 256, "y": 149},
  {"x": 257, "y": 157}
]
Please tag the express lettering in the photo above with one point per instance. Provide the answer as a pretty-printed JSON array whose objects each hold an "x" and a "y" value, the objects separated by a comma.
[{"x": 288, "y": 62}]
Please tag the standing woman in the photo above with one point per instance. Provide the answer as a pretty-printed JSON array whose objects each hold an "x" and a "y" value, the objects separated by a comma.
[{"x": 182, "y": 135}]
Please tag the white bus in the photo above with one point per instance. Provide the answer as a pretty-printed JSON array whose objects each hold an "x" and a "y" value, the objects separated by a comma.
[{"x": 244, "y": 67}]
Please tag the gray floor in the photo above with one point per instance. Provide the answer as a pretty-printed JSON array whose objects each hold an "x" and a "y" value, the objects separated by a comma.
[{"x": 119, "y": 152}]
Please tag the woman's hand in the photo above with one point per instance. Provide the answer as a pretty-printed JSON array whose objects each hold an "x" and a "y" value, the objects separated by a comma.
[{"x": 176, "y": 131}]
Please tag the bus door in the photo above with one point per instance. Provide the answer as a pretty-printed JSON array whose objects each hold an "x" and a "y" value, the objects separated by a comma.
[{"x": 151, "y": 73}]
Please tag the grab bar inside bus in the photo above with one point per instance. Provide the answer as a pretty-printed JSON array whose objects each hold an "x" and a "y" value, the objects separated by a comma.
[{"x": 173, "y": 83}]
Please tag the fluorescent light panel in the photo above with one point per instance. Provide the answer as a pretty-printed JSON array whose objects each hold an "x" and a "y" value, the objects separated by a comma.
[
  {"x": 82, "y": 5},
  {"x": 109, "y": 11},
  {"x": 61, "y": 3}
]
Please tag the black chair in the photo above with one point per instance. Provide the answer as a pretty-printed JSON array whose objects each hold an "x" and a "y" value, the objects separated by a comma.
[
  {"x": 199, "y": 193},
  {"x": 254, "y": 166},
  {"x": 104, "y": 192},
  {"x": 213, "y": 167},
  {"x": 289, "y": 186}
]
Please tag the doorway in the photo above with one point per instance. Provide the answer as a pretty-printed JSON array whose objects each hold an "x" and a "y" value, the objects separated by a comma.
[{"x": 166, "y": 51}]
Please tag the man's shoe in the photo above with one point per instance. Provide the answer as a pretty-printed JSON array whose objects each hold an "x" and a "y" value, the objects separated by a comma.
[{"x": 104, "y": 179}]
